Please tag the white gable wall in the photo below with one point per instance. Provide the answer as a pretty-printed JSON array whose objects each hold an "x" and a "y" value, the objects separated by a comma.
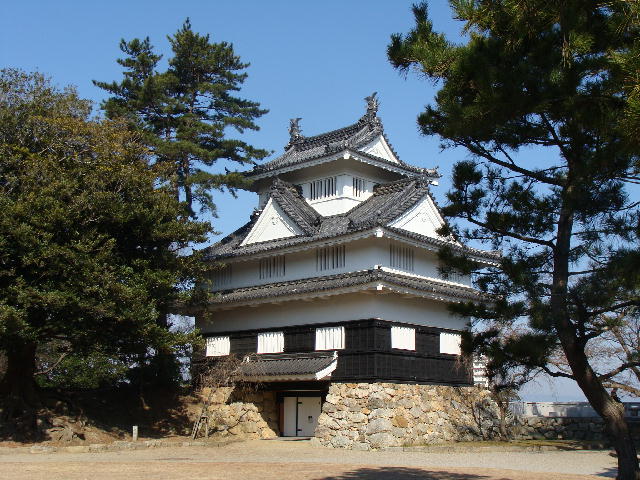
[
  {"x": 272, "y": 224},
  {"x": 380, "y": 148},
  {"x": 423, "y": 219}
]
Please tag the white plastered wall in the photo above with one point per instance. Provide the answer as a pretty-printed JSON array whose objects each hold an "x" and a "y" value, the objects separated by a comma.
[
  {"x": 344, "y": 170},
  {"x": 335, "y": 308},
  {"x": 359, "y": 255},
  {"x": 363, "y": 254}
]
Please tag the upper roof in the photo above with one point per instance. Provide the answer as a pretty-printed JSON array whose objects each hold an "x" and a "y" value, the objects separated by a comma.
[
  {"x": 301, "y": 150},
  {"x": 388, "y": 202}
]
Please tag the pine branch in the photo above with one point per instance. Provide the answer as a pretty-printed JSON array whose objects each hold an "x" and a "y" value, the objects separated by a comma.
[
  {"x": 613, "y": 308},
  {"x": 556, "y": 374},
  {"x": 618, "y": 370},
  {"x": 477, "y": 148},
  {"x": 47, "y": 370},
  {"x": 505, "y": 233}
]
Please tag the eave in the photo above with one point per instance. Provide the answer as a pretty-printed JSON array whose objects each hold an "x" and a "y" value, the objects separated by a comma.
[
  {"x": 298, "y": 244},
  {"x": 346, "y": 153},
  {"x": 376, "y": 281}
]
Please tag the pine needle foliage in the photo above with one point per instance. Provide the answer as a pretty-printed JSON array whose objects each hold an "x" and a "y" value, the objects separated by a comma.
[
  {"x": 187, "y": 111},
  {"x": 558, "y": 79}
]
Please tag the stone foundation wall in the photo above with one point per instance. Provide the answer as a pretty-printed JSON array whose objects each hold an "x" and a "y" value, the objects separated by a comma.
[
  {"x": 367, "y": 416},
  {"x": 565, "y": 428},
  {"x": 246, "y": 414},
  {"x": 370, "y": 416}
]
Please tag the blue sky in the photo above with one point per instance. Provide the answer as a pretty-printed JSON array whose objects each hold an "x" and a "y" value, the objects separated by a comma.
[{"x": 315, "y": 60}]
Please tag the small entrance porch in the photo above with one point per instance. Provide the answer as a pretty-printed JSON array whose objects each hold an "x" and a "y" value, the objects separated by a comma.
[{"x": 300, "y": 382}]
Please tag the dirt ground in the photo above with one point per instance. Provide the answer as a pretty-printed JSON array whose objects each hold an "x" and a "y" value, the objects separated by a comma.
[{"x": 279, "y": 460}]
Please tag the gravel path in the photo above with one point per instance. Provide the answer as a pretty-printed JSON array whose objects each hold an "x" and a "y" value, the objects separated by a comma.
[{"x": 277, "y": 460}]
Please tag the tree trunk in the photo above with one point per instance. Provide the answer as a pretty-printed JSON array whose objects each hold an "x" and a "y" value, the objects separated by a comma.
[
  {"x": 611, "y": 411},
  {"x": 18, "y": 387},
  {"x": 164, "y": 361},
  {"x": 21, "y": 367}
]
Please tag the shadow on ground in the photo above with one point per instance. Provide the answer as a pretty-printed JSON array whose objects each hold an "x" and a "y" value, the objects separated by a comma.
[
  {"x": 608, "y": 473},
  {"x": 400, "y": 473}
]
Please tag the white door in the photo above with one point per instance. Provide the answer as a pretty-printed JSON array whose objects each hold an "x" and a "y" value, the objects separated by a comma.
[
  {"x": 289, "y": 410},
  {"x": 308, "y": 412},
  {"x": 301, "y": 416}
]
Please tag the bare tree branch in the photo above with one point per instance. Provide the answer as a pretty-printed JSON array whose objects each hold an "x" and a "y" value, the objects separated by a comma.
[{"x": 47, "y": 370}]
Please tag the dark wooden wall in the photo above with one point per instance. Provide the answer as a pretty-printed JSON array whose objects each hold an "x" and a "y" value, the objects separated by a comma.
[{"x": 368, "y": 355}]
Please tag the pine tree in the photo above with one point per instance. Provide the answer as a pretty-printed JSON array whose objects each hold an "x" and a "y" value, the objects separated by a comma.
[
  {"x": 187, "y": 110},
  {"x": 545, "y": 75}
]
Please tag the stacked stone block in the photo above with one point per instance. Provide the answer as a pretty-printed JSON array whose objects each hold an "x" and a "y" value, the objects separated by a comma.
[
  {"x": 246, "y": 414},
  {"x": 367, "y": 416}
]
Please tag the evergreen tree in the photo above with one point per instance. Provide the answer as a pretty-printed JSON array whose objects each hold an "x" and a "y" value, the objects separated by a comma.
[
  {"x": 187, "y": 110},
  {"x": 545, "y": 75},
  {"x": 90, "y": 249}
]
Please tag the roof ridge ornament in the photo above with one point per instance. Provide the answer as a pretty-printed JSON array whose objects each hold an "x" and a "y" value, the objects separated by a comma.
[
  {"x": 372, "y": 108},
  {"x": 295, "y": 132}
]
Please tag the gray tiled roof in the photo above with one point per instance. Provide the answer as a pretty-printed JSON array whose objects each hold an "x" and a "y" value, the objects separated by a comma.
[
  {"x": 345, "y": 280},
  {"x": 388, "y": 202},
  {"x": 286, "y": 364},
  {"x": 353, "y": 138}
]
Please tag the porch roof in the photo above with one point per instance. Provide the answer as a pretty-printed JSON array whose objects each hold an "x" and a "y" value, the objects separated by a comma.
[{"x": 283, "y": 367}]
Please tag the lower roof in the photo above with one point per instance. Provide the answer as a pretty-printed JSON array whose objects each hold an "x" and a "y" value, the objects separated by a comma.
[{"x": 373, "y": 279}]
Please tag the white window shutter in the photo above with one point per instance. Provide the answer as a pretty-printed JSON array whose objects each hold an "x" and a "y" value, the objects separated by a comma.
[
  {"x": 403, "y": 338},
  {"x": 330, "y": 338},
  {"x": 271, "y": 342},
  {"x": 218, "y": 346},
  {"x": 450, "y": 343}
]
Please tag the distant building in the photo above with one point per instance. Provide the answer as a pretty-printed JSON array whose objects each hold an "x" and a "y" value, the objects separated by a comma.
[
  {"x": 335, "y": 277},
  {"x": 480, "y": 371}
]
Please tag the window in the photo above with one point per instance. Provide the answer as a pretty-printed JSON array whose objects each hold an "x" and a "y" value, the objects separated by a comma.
[
  {"x": 403, "y": 338},
  {"x": 450, "y": 343},
  {"x": 272, "y": 267},
  {"x": 359, "y": 186},
  {"x": 217, "y": 346},
  {"x": 329, "y": 338},
  {"x": 222, "y": 276},
  {"x": 453, "y": 276},
  {"x": 270, "y": 342},
  {"x": 401, "y": 257},
  {"x": 328, "y": 258},
  {"x": 323, "y": 188}
]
